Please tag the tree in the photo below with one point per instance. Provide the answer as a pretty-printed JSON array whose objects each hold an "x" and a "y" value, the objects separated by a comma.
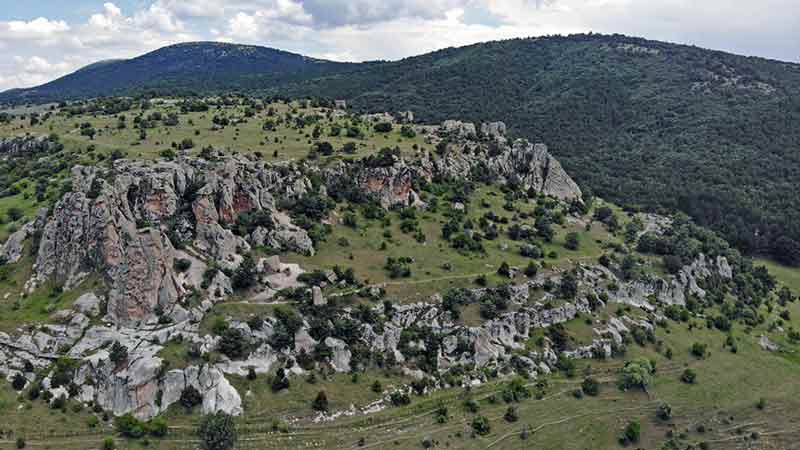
[
  {"x": 787, "y": 251},
  {"x": 320, "y": 403},
  {"x": 572, "y": 241},
  {"x": 217, "y": 432},
  {"x": 636, "y": 374}
]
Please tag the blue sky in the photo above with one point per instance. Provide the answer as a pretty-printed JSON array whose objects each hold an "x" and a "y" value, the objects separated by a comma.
[{"x": 44, "y": 39}]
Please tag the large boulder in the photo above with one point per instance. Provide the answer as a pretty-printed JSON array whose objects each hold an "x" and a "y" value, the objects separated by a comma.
[{"x": 88, "y": 304}]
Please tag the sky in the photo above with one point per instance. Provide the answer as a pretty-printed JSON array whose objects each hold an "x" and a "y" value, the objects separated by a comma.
[{"x": 44, "y": 39}]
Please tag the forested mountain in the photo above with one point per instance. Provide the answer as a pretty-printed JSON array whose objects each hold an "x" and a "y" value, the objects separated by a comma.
[
  {"x": 643, "y": 123},
  {"x": 183, "y": 68}
]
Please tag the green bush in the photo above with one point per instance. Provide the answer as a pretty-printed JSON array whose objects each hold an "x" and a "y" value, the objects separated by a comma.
[
  {"x": 481, "y": 425},
  {"x": 218, "y": 432}
]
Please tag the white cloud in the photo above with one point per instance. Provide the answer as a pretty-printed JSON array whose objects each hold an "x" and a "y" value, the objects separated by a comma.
[
  {"x": 333, "y": 13},
  {"x": 40, "y": 28},
  {"x": 110, "y": 19},
  {"x": 34, "y": 70},
  {"x": 158, "y": 18}
]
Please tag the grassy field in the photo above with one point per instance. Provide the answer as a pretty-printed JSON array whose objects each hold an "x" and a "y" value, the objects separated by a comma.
[
  {"x": 788, "y": 276},
  {"x": 247, "y": 136},
  {"x": 437, "y": 266}
]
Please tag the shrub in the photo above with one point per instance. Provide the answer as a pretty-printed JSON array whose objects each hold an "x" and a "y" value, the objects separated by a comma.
[
  {"x": 21, "y": 442},
  {"x": 118, "y": 353},
  {"x": 572, "y": 241},
  {"x": 158, "y": 427},
  {"x": 130, "y": 426},
  {"x": 280, "y": 381},
  {"x": 504, "y": 270},
  {"x": 233, "y": 343},
  {"x": 399, "y": 398},
  {"x": 481, "y": 425},
  {"x": 590, "y": 386},
  {"x": 108, "y": 444},
  {"x": 699, "y": 350},
  {"x": 664, "y": 411},
  {"x": 18, "y": 382},
  {"x": 320, "y": 403},
  {"x": 217, "y": 432},
  {"x": 631, "y": 434},
  {"x": 182, "y": 264},
  {"x": 383, "y": 127},
  {"x": 511, "y": 414},
  {"x": 689, "y": 376},
  {"x": 531, "y": 270},
  {"x": 190, "y": 397}
]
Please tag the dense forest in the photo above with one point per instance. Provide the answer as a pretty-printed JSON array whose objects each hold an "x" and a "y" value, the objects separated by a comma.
[{"x": 643, "y": 123}]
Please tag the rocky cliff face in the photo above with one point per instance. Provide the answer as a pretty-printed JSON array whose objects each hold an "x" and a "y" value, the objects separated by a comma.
[
  {"x": 120, "y": 223},
  {"x": 467, "y": 157},
  {"x": 28, "y": 146}
]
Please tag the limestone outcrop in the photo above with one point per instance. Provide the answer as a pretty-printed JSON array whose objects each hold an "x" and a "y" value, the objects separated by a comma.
[
  {"x": 125, "y": 223},
  {"x": 28, "y": 145}
]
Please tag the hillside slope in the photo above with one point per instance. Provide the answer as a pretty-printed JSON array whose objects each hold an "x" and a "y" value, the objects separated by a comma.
[{"x": 643, "y": 123}]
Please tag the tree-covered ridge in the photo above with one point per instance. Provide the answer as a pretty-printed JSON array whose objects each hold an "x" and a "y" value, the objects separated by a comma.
[
  {"x": 191, "y": 68},
  {"x": 644, "y": 123}
]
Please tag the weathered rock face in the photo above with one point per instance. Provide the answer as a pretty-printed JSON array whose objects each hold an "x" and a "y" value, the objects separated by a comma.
[
  {"x": 86, "y": 234},
  {"x": 529, "y": 165},
  {"x": 392, "y": 183},
  {"x": 12, "y": 250},
  {"x": 120, "y": 228},
  {"x": 456, "y": 128},
  {"x": 28, "y": 145}
]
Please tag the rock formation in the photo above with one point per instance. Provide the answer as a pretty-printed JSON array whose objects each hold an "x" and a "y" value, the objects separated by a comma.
[{"x": 28, "y": 146}]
